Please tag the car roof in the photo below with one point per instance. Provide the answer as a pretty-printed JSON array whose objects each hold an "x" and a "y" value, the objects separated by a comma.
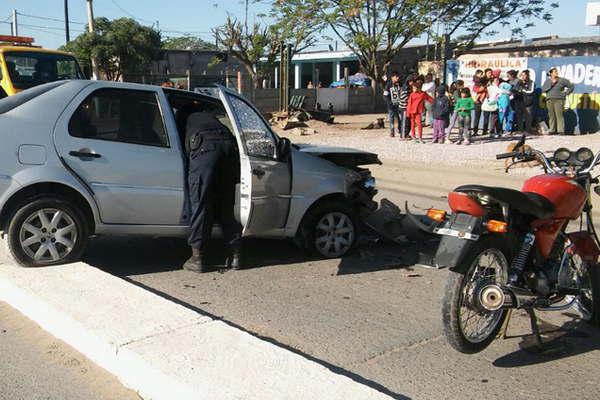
[{"x": 28, "y": 49}]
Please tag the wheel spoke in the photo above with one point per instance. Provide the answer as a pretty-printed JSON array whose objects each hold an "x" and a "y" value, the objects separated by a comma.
[
  {"x": 32, "y": 240},
  {"x": 44, "y": 219},
  {"x": 53, "y": 252},
  {"x": 322, "y": 239},
  {"x": 343, "y": 231},
  {"x": 65, "y": 242},
  {"x": 32, "y": 229},
  {"x": 330, "y": 221},
  {"x": 40, "y": 252},
  {"x": 337, "y": 245},
  {"x": 56, "y": 219},
  {"x": 67, "y": 230},
  {"x": 322, "y": 226},
  {"x": 342, "y": 222},
  {"x": 342, "y": 240}
]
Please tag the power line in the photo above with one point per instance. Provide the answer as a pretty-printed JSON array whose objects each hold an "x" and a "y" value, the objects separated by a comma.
[
  {"x": 51, "y": 19},
  {"x": 130, "y": 14}
]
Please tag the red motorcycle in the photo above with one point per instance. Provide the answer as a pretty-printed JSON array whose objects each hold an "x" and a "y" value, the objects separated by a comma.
[{"x": 509, "y": 249}]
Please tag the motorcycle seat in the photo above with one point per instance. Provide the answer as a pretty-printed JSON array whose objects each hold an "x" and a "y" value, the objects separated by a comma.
[{"x": 524, "y": 202}]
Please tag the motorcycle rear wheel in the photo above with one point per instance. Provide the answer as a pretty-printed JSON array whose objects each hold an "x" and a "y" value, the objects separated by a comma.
[{"x": 467, "y": 328}]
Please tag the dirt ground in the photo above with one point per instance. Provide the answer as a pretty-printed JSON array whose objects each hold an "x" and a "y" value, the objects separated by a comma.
[{"x": 346, "y": 132}]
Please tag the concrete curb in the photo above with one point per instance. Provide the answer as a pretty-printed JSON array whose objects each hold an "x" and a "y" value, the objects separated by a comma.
[{"x": 160, "y": 349}]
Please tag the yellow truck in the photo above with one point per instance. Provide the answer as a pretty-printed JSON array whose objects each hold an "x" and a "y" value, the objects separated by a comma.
[{"x": 24, "y": 65}]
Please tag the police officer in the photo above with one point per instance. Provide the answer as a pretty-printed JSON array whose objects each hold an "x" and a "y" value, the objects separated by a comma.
[{"x": 213, "y": 173}]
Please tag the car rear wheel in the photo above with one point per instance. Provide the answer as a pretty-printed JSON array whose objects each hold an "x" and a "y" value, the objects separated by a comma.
[
  {"x": 330, "y": 229},
  {"x": 47, "y": 231}
]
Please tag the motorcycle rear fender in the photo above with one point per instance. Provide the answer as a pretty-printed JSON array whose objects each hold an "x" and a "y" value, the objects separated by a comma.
[
  {"x": 585, "y": 246},
  {"x": 452, "y": 252}
]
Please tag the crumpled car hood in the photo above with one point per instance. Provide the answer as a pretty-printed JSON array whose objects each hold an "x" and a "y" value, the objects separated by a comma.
[{"x": 341, "y": 156}]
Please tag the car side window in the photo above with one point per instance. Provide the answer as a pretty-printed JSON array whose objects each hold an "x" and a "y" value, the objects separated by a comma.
[
  {"x": 120, "y": 115},
  {"x": 256, "y": 135}
]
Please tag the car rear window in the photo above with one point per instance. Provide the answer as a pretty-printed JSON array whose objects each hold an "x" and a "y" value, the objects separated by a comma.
[{"x": 11, "y": 102}]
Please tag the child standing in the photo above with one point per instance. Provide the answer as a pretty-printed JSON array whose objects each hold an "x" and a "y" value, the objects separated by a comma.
[
  {"x": 464, "y": 106},
  {"x": 441, "y": 114},
  {"x": 415, "y": 109},
  {"x": 504, "y": 109},
  {"x": 392, "y": 94},
  {"x": 490, "y": 106},
  {"x": 455, "y": 95}
]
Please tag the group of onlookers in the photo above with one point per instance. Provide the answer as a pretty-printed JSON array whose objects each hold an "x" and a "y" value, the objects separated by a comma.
[{"x": 506, "y": 104}]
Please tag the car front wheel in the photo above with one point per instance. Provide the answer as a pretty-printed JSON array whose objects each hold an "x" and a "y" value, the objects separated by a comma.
[
  {"x": 47, "y": 231},
  {"x": 329, "y": 230}
]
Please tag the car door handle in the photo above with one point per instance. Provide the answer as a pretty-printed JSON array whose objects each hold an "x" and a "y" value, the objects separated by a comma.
[
  {"x": 83, "y": 154},
  {"x": 258, "y": 172}
]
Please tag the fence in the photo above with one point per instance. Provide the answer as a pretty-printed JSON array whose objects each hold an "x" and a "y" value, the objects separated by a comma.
[{"x": 343, "y": 101}]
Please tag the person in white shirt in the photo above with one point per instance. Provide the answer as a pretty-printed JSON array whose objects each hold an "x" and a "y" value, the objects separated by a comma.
[{"x": 429, "y": 88}]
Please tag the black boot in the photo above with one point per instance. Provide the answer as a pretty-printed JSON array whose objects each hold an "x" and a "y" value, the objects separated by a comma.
[
  {"x": 194, "y": 263},
  {"x": 235, "y": 258}
]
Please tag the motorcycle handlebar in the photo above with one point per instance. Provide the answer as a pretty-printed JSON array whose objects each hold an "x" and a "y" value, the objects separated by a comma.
[{"x": 507, "y": 155}]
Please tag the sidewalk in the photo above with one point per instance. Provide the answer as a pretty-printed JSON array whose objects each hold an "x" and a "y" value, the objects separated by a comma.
[{"x": 160, "y": 349}]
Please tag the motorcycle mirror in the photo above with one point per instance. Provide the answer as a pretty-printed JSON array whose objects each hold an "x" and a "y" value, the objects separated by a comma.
[{"x": 520, "y": 143}]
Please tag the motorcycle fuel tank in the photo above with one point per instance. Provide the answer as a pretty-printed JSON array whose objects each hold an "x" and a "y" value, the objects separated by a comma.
[{"x": 567, "y": 195}]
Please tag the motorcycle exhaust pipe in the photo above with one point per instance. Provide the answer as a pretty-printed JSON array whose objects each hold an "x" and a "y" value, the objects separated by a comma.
[{"x": 493, "y": 297}]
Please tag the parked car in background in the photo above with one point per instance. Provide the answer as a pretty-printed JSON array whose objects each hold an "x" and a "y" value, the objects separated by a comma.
[{"x": 82, "y": 158}]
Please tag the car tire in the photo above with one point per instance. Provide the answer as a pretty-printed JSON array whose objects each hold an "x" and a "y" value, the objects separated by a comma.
[
  {"x": 47, "y": 231},
  {"x": 329, "y": 229}
]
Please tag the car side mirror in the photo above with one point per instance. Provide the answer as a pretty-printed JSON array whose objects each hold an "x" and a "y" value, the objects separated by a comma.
[{"x": 284, "y": 148}]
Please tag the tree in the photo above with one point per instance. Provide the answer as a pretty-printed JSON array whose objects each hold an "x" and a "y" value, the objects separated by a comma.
[
  {"x": 187, "y": 43},
  {"x": 253, "y": 47},
  {"x": 376, "y": 30},
  {"x": 119, "y": 46},
  {"x": 258, "y": 46}
]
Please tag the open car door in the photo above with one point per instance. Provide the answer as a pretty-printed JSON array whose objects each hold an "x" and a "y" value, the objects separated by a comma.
[{"x": 265, "y": 180}]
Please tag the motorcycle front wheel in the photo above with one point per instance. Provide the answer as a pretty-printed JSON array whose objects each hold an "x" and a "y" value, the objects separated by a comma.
[{"x": 467, "y": 326}]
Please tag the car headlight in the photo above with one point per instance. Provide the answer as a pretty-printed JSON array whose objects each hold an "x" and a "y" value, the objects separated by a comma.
[
  {"x": 352, "y": 177},
  {"x": 370, "y": 183}
]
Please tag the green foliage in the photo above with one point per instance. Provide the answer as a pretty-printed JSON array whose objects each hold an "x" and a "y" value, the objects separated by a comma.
[
  {"x": 119, "y": 46},
  {"x": 187, "y": 43}
]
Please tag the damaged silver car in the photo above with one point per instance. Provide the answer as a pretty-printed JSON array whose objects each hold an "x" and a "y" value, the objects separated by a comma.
[{"x": 83, "y": 158}]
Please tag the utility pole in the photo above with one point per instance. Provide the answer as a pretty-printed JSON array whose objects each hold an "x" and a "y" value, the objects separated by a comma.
[
  {"x": 90, "y": 13},
  {"x": 15, "y": 26},
  {"x": 67, "y": 33}
]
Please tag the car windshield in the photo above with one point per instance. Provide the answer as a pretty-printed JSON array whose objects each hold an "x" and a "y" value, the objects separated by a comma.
[{"x": 29, "y": 69}]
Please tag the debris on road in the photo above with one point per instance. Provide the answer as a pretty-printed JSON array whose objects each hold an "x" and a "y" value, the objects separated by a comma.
[{"x": 377, "y": 124}]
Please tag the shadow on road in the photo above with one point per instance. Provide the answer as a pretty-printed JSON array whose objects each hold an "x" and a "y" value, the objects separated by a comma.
[
  {"x": 127, "y": 256},
  {"x": 569, "y": 340}
]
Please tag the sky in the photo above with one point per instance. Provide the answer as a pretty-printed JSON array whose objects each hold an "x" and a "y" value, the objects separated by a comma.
[{"x": 197, "y": 17}]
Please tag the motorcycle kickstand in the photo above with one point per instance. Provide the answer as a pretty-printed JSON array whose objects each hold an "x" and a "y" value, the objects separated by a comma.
[
  {"x": 535, "y": 327},
  {"x": 504, "y": 330}
]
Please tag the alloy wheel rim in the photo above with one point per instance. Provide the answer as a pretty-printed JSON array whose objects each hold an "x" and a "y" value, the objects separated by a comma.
[
  {"x": 476, "y": 324},
  {"x": 48, "y": 235},
  {"x": 334, "y": 234}
]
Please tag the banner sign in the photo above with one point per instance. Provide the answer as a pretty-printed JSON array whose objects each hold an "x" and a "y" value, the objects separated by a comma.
[
  {"x": 583, "y": 72},
  {"x": 467, "y": 68},
  {"x": 583, "y": 105}
]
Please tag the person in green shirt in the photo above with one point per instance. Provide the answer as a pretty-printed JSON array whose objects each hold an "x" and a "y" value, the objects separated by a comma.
[{"x": 463, "y": 107}]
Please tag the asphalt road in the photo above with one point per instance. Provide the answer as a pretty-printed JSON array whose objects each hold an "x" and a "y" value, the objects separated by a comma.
[
  {"x": 35, "y": 365},
  {"x": 372, "y": 315}
]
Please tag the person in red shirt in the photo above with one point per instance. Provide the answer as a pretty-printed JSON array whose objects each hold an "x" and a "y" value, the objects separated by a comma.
[{"x": 415, "y": 109}]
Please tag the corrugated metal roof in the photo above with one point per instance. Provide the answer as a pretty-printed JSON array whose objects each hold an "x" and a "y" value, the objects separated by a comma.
[{"x": 550, "y": 41}]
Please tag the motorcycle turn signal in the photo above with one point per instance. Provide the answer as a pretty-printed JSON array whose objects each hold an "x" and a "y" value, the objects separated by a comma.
[
  {"x": 496, "y": 226},
  {"x": 436, "y": 215}
]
